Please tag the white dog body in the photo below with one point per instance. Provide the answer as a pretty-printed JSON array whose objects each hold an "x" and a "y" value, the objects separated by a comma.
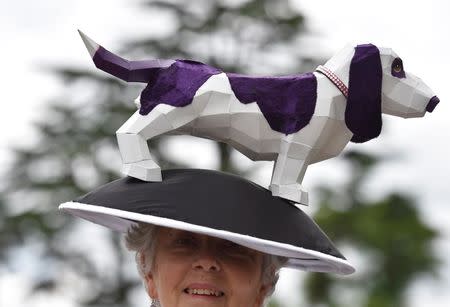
[{"x": 216, "y": 113}]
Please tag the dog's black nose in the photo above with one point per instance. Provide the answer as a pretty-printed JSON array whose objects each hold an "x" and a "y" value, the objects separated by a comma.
[{"x": 432, "y": 103}]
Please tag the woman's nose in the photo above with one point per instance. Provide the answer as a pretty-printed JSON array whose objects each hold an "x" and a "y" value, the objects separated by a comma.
[{"x": 207, "y": 261}]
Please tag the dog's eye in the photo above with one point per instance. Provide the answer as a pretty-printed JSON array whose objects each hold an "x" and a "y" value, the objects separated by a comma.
[{"x": 397, "y": 68}]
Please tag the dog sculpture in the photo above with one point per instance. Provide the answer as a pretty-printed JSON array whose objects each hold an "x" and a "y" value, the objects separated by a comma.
[{"x": 294, "y": 120}]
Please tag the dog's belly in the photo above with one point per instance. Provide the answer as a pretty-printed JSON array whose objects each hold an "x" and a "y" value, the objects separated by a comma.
[
  {"x": 224, "y": 118},
  {"x": 243, "y": 127}
]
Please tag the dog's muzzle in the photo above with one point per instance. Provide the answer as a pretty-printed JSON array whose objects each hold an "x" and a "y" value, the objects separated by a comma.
[{"x": 432, "y": 104}]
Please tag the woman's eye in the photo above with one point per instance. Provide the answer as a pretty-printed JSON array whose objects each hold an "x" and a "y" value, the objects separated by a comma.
[
  {"x": 230, "y": 247},
  {"x": 184, "y": 242}
]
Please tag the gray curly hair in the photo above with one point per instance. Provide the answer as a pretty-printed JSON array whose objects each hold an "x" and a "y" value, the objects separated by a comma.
[{"x": 140, "y": 238}]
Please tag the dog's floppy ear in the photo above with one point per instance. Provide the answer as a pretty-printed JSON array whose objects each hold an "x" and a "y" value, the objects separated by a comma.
[{"x": 363, "y": 112}]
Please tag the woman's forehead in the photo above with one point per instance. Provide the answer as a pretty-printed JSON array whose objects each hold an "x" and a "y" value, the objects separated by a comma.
[{"x": 173, "y": 232}]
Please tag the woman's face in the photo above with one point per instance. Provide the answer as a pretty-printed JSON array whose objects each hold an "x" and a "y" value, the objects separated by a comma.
[{"x": 197, "y": 270}]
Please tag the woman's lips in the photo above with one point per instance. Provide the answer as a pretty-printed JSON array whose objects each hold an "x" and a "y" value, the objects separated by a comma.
[{"x": 203, "y": 290}]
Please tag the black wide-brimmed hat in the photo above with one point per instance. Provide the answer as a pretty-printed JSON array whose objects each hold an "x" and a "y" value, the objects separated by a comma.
[{"x": 219, "y": 205}]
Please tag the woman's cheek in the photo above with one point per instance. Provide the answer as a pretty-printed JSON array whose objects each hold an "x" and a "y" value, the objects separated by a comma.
[
  {"x": 247, "y": 270},
  {"x": 245, "y": 262}
]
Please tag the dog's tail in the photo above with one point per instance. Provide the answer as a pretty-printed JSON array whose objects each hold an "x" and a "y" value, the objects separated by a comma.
[{"x": 130, "y": 71}]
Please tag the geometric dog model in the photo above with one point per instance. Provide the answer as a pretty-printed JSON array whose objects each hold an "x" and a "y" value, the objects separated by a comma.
[{"x": 293, "y": 120}]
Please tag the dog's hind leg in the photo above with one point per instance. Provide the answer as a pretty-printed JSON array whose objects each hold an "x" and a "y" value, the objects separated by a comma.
[
  {"x": 133, "y": 135},
  {"x": 289, "y": 170}
]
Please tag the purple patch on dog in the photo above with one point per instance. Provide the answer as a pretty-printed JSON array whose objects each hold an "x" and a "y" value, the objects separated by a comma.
[
  {"x": 287, "y": 102},
  {"x": 397, "y": 68},
  {"x": 130, "y": 71},
  {"x": 363, "y": 111},
  {"x": 175, "y": 85}
]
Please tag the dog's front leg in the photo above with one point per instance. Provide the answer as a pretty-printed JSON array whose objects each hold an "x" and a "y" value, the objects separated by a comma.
[
  {"x": 132, "y": 139},
  {"x": 289, "y": 170}
]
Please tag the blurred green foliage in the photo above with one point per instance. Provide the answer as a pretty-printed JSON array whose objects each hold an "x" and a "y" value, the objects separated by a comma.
[{"x": 387, "y": 233}]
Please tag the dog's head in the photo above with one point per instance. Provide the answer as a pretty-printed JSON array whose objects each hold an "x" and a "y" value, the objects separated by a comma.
[{"x": 379, "y": 84}]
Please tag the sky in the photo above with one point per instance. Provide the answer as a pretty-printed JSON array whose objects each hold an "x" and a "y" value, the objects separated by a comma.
[{"x": 39, "y": 34}]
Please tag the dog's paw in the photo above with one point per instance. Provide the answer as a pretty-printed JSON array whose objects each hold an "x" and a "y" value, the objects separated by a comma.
[
  {"x": 146, "y": 170},
  {"x": 293, "y": 192}
]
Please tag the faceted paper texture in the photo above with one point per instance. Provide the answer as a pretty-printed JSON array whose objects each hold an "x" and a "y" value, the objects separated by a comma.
[{"x": 293, "y": 120}]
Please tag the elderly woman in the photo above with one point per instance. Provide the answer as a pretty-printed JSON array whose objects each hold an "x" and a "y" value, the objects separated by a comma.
[
  {"x": 182, "y": 268},
  {"x": 206, "y": 238}
]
